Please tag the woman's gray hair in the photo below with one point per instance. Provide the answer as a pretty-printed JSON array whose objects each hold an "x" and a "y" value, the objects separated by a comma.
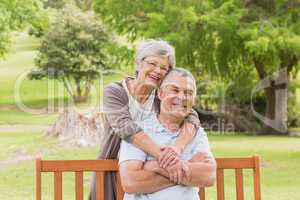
[
  {"x": 154, "y": 47},
  {"x": 180, "y": 72}
]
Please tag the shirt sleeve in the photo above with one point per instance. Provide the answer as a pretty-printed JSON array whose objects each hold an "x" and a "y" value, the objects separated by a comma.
[
  {"x": 201, "y": 143},
  {"x": 193, "y": 118},
  {"x": 115, "y": 106},
  {"x": 129, "y": 152}
]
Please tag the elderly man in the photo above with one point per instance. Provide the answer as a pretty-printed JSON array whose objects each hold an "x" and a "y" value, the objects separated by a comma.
[{"x": 141, "y": 175}]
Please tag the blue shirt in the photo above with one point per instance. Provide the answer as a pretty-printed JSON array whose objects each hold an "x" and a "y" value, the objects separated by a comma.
[{"x": 163, "y": 136}]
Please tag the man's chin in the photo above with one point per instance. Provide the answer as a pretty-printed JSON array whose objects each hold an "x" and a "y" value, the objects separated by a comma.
[{"x": 179, "y": 114}]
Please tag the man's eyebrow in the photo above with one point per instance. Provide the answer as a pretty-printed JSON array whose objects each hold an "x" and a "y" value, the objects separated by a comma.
[{"x": 174, "y": 86}]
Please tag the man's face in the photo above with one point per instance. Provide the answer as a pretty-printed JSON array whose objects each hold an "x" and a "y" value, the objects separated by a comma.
[
  {"x": 177, "y": 96},
  {"x": 153, "y": 69}
]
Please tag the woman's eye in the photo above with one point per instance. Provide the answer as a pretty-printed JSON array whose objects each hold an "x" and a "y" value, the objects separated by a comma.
[{"x": 152, "y": 64}]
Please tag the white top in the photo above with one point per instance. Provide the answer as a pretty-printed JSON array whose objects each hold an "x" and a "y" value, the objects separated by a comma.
[{"x": 139, "y": 112}]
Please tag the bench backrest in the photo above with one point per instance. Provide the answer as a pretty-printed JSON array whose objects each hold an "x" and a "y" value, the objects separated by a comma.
[
  {"x": 237, "y": 164},
  {"x": 101, "y": 166}
]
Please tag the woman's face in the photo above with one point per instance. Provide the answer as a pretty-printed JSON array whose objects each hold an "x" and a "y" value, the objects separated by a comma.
[{"x": 153, "y": 69}]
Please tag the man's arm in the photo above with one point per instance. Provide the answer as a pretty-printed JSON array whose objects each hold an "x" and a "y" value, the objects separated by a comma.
[
  {"x": 136, "y": 180},
  {"x": 200, "y": 171}
]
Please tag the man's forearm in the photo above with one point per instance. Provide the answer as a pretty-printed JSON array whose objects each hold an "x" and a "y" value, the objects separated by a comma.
[
  {"x": 201, "y": 174},
  {"x": 143, "y": 182},
  {"x": 144, "y": 142}
]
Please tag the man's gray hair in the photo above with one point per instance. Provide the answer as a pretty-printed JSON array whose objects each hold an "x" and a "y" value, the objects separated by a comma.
[
  {"x": 154, "y": 47},
  {"x": 180, "y": 72}
]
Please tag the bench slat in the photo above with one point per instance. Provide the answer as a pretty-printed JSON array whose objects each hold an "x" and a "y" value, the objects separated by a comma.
[
  {"x": 79, "y": 165},
  {"x": 58, "y": 185},
  {"x": 120, "y": 192},
  {"x": 256, "y": 172},
  {"x": 239, "y": 184},
  {"x": 79, "y": 185},
  {"x": 99, "y": 185},
  {"x": 202, "y": 193},
  {"x": 38, "y": 180},
  {"x": 235, "y": 163},
  {"x": 220, "y": 184}
]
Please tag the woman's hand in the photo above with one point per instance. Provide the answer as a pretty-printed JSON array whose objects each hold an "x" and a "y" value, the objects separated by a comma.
[
  {"x": 169, "y": 156},
  {"x": 176, "y": 172}
]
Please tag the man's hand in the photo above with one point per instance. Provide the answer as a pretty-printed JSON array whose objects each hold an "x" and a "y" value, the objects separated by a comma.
[
  {"x": 169, "y": 156},
  {"x": 154, "y": 167},
  {"x": 174, "y": 173}
]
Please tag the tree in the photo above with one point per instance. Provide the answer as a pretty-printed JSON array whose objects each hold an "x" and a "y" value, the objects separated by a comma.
[
  {"x": 74, "y": 51},
  {"x": 218, "y": 37},
  {"x": 15, "y": 15}
]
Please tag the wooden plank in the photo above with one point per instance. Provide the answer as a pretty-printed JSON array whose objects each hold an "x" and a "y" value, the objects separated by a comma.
[
  {"x": 202, "y": 193},
  {"x": 79, "y": 185},
  {"x": 79, "y": 165},
  {"x": 239, "y": 184},
  {"x": 220, "y": 184},
  {"x": 235, "y": 163},
  {"x": 120, "y": 192},
  {"x": 38, "y": 179},
  {"x": 256, "y": 176},
  {"x": 99, "y": 185},
  {"x": 57, "y": 185}
]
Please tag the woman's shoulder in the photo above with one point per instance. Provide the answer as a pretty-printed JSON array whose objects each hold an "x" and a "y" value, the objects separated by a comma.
[{"x": 114, "y": 88}]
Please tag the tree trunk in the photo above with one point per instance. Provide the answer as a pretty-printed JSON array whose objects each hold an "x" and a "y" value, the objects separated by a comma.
[
  {"x": 275, "y": 121},
  {"x": 80, "y": 95},
  {"x": 74, "y": 128}
]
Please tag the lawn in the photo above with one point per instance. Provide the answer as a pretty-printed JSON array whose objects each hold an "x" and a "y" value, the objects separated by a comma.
[
  {"x": 280, "y": 164},
  {"x": 19, "y": 146}
]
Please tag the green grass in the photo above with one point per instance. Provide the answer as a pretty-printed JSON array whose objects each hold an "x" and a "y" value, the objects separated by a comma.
[{"x": 280, "y": 157}]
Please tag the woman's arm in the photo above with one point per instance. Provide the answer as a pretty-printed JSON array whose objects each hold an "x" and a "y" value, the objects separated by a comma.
[
  {"x": 189, "y": 129},
  {"x": 115, "y": 106},
  {"x": 187, "y": 133}
]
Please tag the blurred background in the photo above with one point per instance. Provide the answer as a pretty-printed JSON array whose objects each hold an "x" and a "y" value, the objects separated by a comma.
[{"x": 56, "y": 56}]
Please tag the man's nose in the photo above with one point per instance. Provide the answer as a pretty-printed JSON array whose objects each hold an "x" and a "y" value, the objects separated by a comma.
[{"x": 182, "y": 95}]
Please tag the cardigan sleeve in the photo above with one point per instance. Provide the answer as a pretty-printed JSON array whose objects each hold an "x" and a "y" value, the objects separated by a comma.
[{"x": 115, "y": 106}]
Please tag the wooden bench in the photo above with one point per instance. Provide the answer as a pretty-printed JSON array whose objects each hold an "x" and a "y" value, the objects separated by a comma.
[{"x": 101, "y": 166}]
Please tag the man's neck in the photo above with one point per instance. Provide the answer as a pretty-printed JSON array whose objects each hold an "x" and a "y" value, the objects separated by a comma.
[
  {"x": 170, "y": 122},
  {"x": 139, "y": 90}
]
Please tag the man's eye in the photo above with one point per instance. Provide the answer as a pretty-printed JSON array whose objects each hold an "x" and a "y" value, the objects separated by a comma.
[{"x": 175, "y": 90}]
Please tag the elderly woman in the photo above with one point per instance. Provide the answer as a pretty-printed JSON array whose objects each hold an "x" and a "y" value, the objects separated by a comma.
[{"x": 133, "y": 100}]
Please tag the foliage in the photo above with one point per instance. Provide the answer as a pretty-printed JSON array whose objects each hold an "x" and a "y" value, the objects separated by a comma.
[
  {"x": 75, "y": 50},
  {"x": 229, "y": 39},
  {"x": 15, "y": 15}
]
